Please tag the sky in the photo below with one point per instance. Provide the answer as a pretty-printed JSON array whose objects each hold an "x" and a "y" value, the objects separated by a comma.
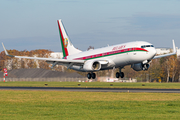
[{"x": 32, "y": 24}]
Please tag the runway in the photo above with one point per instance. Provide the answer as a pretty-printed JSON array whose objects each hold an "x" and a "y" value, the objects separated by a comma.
[{"x": 132, "y": 90}]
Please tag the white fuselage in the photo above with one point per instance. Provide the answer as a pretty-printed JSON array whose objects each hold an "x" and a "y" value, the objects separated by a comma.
[{"x": 117, "y": 55}]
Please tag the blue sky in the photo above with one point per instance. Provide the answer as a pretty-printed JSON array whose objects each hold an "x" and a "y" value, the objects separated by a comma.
[{"x": 32, "y": 24}]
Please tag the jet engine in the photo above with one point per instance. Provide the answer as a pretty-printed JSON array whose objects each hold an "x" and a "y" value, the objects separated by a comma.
[
  {"x": 140, "y": 66},
  {"x": 92, "y": 66}
]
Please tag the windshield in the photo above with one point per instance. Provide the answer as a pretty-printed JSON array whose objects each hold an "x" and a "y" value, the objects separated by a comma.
[{"x": 144, "y": 46}]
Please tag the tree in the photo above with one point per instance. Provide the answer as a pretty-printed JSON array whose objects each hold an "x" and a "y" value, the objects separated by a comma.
[
  {"x": 13, "y": 63},
  {"x": 174, "y": 68},
  {"x": 90, "y": 47}
]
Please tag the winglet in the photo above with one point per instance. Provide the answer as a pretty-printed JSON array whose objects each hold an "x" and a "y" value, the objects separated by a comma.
[
  {"x": 6, "y": 51},
  {"x": 174, "y": 47},
  {"x": 165, "y": 55}
]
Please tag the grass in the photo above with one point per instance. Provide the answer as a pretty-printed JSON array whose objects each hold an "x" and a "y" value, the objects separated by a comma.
[
  {"x": 94, "y": 84},
  {"x": 88, "y": 105}
]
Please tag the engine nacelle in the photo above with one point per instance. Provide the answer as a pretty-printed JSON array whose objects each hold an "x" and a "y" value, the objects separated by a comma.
[
  {"x": 140, "y": 66},
  {"x": 92, "y": 66}
]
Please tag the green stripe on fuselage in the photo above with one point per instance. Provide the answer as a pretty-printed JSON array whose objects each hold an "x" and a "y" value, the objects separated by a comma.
[{"x": 115, "y": 54}]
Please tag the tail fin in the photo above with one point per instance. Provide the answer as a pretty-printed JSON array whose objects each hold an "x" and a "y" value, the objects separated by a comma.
[{"x": 67, "y": 46}]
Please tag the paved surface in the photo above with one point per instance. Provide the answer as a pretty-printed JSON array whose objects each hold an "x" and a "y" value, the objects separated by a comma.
[
  {"x": 94, "y": 89},
  {"x": 39, "y": 73}
]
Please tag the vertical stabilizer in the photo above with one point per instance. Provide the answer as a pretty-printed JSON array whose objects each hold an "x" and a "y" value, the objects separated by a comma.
[{"x": 67, "y": 46}]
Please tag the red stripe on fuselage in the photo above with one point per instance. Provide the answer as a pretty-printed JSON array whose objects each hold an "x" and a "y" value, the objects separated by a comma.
[
  {"x": 141, "y": 49},
  {"x": 111, "y": 53}
]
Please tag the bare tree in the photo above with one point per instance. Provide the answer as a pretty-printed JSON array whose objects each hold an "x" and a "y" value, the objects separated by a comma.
[{"x": 90, "y": 47}]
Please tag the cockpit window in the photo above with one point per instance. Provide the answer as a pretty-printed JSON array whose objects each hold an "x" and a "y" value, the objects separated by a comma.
[{"x": 144, "y": 46}]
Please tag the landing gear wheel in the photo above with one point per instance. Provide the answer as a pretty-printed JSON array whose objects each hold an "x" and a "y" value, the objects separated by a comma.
[
  {"x": 89, "y": 76},
  {"x": 93, "y": 75},
  {"x": 117, "y": 75},
  {"x": 122, "y": 74}
]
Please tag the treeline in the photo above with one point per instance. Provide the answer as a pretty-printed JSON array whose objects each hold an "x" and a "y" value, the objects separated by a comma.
[
  {"x": 14, "y": 63},
  {"x": 165, "y": 69}
]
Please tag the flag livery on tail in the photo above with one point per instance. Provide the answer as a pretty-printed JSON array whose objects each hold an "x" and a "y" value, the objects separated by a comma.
[{"x": 67, "y": 46}]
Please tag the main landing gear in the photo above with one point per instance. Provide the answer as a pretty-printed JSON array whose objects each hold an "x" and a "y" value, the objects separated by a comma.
[
  {"x": 119, "y": 74},
  {"x": 91, "y": 75}
]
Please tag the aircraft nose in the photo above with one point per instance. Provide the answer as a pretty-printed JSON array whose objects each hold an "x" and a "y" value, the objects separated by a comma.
[{"x": 153, "y": 52}]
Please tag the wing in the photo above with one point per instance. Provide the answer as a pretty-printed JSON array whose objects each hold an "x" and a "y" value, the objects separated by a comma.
[
  {"x": 52, "y": 60},
  {"x": 165, "y": 55}
]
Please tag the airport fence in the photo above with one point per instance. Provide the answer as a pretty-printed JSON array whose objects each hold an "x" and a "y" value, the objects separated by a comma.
[{"x": 47, "y": 79}]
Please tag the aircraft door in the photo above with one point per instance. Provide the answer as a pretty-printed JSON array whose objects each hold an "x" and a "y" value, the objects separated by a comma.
[
  {"x": 132, "y": 56},
  {"x": 134, "y": 51}
]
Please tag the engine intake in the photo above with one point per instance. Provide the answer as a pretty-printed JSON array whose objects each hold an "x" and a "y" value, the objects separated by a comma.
[
  {"x": 140, "y": 66},
  {"x": 92, "y": 66}
]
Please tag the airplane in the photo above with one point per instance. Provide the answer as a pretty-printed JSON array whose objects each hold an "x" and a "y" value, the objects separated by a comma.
[{"x": 138, "y": 54}]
